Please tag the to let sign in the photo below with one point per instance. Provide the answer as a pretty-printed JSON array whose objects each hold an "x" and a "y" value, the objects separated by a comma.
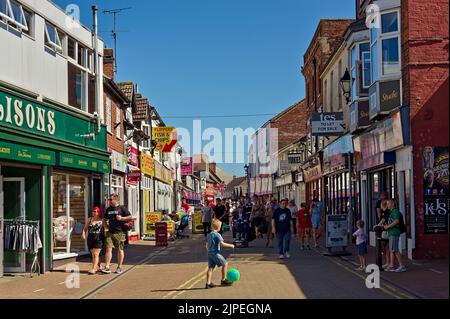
[{"x": 327, "y": 124}]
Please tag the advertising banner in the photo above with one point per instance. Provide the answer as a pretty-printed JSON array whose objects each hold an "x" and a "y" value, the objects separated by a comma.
[
  {"x": 337, "y": 231},
  {"x": 150, "y": 220},
  {"x": 186, "y": 166},
  {"x": 166, "y": 137},
  {"x": 147, "y": 165},
  {"x": 436, "y": 200},
  {"x": 197, "y": 228},
  {"x": 133, "y": 177},
  {"x": 133, "y": 155}
]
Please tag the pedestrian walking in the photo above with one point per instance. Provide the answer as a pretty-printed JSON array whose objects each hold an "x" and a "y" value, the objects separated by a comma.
[
  {"x": 219, "y": 212},
  {"x": 315, "y": 220},
  {"x": 294, "y": 210},
  {"x": 207, "y": 215},
  {"x": 93, "y": 232},
  {"x": 115, "y": 217},
  {"x": 361, "y": 242},
  {"x": 214, "y": 242},
  {"x": 257, "y": 217},
  {"x": 304, "y": 226},
  {"x": 382, "y": 220},
  {"x": 393, "y": 228},
  {"x": 270, "y": 208},
  {"x": 282, "y": 228}
]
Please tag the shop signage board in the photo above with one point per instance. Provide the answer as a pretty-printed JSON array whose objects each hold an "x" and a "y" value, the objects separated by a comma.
[
  {"x": 133, "y": 156},
  {"x": 312, "y": 173},
  {"x": 384, "y": 97},
  {"x": 133, "y": 177},
  {"x": 119, "y": 161},
  {"x": 79, "y": 162},
  {"x": 337, "y": 231},
  {"x": 186, "y": 166},
  {"x": 436, "y": 195},
  {"x": 166, "y": 138},
  {"x": 284, "y": 165},
  {"x": 197, "y": 228},
  {"x": 359, "y": 115},
  {"x": 151, "y": 218},
  {"x": 161, "y": 233},
  {"x": 43, "y": 119},
  {"x": 27, "y": 154},
  {"x": 147, "y": 165},
  {"x": 327, "y": 124},
  {"x": 334, "y": 155}
]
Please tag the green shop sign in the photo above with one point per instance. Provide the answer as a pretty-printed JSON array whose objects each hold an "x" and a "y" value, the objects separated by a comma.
[
  {"x": 75, "y": 161},
  {"x": 48, "y": 121},
  {"x": 26, "y": 154}
]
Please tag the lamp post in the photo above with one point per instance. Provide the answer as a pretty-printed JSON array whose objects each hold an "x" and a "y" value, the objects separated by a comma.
[
  {"x": 246, "y": 168},
  {"x": 345, "y": 83}
]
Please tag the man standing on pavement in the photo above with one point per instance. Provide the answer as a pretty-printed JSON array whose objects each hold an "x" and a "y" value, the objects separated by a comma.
[
  {"x": 207, "y": 216},
  {"x": 115, "y": 217},
  {"x": 219, "y": 213},
  {"x": 282, "y": 228}
]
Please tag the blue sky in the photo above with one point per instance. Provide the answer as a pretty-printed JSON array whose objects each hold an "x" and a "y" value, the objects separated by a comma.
[{"x": 215, "y": 57}]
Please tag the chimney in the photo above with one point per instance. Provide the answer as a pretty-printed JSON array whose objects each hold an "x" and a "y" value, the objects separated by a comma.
[{"x": 108, "y": 63}]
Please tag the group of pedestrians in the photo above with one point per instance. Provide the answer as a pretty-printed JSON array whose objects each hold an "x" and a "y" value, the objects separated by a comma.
[{"x": 107, "y": 231}]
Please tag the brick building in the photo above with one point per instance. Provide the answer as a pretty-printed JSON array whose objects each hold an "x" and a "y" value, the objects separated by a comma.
[
  {"x": 326, "y": 40},
  {"x": 425, "y": 71}
]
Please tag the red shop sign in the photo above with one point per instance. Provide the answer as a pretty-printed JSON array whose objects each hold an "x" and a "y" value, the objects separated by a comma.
[
  {"x": 133, "y": 177},
  {"x": 132, "y": 154}
]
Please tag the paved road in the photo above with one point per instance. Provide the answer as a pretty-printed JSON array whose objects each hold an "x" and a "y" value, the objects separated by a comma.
[{"x": 178, "y": 272}]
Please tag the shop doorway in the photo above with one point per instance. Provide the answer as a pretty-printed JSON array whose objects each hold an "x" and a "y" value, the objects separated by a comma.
[
  {"x": 380, "y": 181},
  {"x": 13, "y": 207}
]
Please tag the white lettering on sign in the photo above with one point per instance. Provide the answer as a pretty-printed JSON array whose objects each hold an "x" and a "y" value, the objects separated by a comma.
[{"x": 35, "y": 117}]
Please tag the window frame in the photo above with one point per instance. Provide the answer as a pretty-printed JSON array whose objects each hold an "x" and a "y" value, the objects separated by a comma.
[
  {"x": 108, "y": 115},
  {"x": 363, "y": 60},
  {"x": 118, "y": 123},
  {"x": 378, "y": 42},
  {"x": 10, "y": 18},
  {"x": 49, "y": 42}
]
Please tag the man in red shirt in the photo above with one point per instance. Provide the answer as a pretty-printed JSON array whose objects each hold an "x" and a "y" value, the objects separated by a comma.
[
  {"x": 304, "y": 225},
  {"x": 185, "y": 206}
]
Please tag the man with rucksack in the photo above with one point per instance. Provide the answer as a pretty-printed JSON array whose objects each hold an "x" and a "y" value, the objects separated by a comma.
[
  {"x": 395, "y": 226},
  {"x": 116, "y": 218}
]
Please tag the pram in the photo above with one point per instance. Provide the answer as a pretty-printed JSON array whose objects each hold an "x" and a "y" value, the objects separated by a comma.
[
  {"x": 240, "y": 229},
  {"x": 184, "y": 222}
]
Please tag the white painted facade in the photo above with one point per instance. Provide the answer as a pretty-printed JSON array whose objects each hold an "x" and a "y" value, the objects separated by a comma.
[{"x": 28, "y": 63}]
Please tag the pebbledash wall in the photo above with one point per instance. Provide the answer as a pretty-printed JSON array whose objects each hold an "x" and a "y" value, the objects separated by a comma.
[
  {"x": 49, "y": 135},
  {"x": 425, "y": 56}
]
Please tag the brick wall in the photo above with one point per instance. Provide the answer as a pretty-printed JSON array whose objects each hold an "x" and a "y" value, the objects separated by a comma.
[
  {"x": 292, "y": 125},
  {"x": 425, "y": 72},
  {"x": 112, "y": 141}
]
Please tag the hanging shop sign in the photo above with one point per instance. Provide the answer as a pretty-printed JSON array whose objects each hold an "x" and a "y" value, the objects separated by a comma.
[
  {"x": 299, "y": 177},
  {"x": 284, "y": 165},
  {"x": 119, "y": 162},
  {"x": 384, "y": 97},
  {"x": 187, "y": 166},
  {"x": 147, "y": 165},
  {"x": 312, "y": 172},
  {"x": 337, "y": 230},
  {"x": 285, "y": 179},
  {"x": 327, "y": 124},
  {"x": 79, "y": 162},
  {"x": 27, "y": 154},
  {"x": 133, "y": 177},
  {"x": 359, "y": 116},
  {"x": 133, "y": 156},
  {"x": 166, "y": 138},
  {"x": 435, "y": 179},
  {"x": 49, "y": 121}
]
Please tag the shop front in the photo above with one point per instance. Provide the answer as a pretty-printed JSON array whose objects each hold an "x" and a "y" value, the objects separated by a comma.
[
  {"x": 383, "y": 161},
  {"x": 284, "y": 186},
  {"x": 312, "y": 174},
  {"x": 52, "y": 161}
]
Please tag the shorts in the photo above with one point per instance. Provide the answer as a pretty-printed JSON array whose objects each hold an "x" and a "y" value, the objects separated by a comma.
[
  {"x": 315, "y": 221},
  {"x": 304, "y": 232},
  {"x": 116, "y": 240},
  {"x": 362, "y": 249},
  {"x": 216, "y": 260},
  {"x": 94, "y": 241},
  {"x": 394, "y": 242}
]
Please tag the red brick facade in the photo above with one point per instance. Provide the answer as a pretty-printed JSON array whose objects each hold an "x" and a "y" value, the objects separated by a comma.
[
  {"x": 326, "y": 40},
  {"x": 425, "y": 55},
  {"x": 291, "y": 124}
]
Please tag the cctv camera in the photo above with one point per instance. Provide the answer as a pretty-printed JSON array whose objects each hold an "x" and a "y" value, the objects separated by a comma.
[{"x": 95, "y": 114}]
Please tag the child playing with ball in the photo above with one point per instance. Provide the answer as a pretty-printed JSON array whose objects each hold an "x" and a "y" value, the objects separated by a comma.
[{"x": 215, "y": 259}]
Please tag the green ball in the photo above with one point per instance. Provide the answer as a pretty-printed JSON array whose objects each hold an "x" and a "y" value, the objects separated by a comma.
[{"x": 233, "y": 275}]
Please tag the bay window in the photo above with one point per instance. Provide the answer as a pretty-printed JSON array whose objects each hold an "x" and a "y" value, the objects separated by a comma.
[{"x": 387, "y": 39}]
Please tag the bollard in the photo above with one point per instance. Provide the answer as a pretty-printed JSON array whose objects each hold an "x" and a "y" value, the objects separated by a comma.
[{"x": 378, "y": 231}]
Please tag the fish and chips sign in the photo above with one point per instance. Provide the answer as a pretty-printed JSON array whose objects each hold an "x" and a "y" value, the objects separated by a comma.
[{"x": 166, "y": 138}]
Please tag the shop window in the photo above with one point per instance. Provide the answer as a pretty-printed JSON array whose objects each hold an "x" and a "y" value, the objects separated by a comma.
[{"x": 70, "y": 196}]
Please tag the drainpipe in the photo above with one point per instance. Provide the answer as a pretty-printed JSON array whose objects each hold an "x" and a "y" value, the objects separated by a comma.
[{"x": 98, "y": 80}]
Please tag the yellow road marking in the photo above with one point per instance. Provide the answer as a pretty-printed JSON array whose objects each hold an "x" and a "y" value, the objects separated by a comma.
[{"x": 182, "y": 286}]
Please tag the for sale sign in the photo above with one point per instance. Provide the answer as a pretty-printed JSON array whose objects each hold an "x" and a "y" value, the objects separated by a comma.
[{"x": 328, "y": 124}]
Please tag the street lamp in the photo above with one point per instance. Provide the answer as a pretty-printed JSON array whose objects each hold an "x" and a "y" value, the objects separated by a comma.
[
  {"x": 246, "y": 168},
  {"x": 345, "y": 85}
]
